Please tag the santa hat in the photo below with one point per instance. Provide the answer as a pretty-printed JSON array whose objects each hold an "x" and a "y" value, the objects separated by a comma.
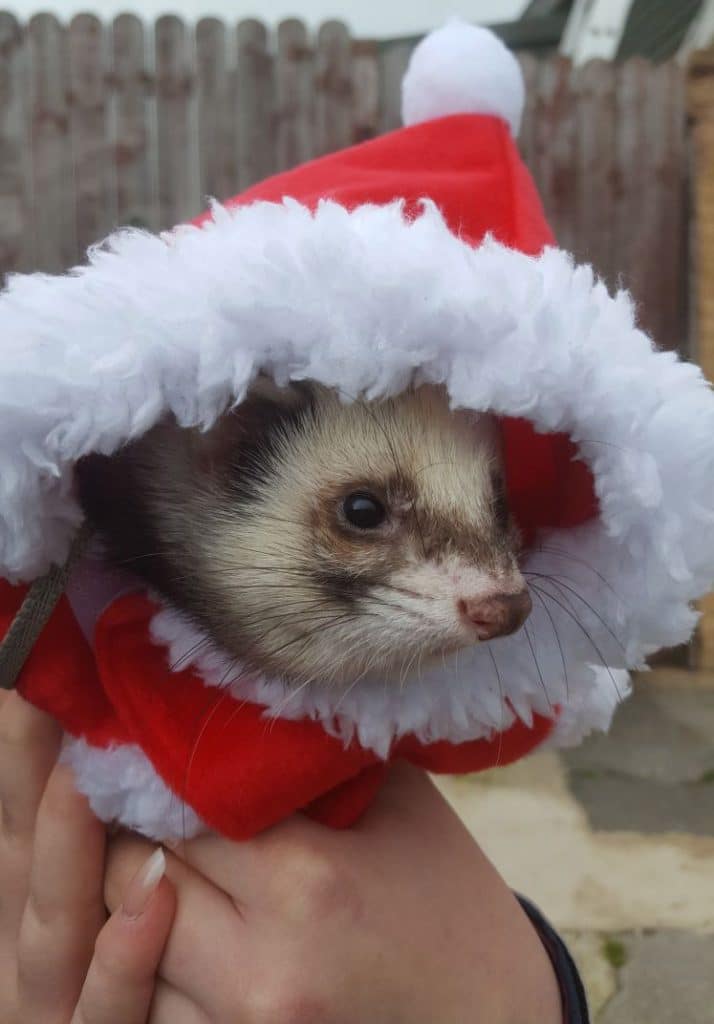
[
  {"x": 462, "y": 101},
  {"x": 421, "y": 256}
]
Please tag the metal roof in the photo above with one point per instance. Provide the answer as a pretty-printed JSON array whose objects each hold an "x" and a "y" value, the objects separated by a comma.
[
  {"x": 657, "y": 28},
  {"x": 609, "y": 29}
]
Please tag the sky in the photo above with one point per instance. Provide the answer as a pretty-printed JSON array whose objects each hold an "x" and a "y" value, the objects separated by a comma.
[{"x": 364, "y": 17}]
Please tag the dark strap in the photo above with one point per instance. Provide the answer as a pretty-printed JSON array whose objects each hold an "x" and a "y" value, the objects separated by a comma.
[
  {"x": 572, "y": 992},
  {"x": 34, "y": 613}
]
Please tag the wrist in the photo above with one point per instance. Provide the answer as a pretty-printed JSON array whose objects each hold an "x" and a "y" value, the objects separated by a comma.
[
  {"x": 533, "y": 987},
  {"x": 506, "y": 976}
]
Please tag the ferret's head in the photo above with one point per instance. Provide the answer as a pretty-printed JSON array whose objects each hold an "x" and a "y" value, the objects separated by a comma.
[{"x": 320, "y": 540}]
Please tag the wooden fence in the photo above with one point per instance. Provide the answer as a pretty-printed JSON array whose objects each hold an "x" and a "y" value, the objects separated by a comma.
[{"x": 123, "y": 123}]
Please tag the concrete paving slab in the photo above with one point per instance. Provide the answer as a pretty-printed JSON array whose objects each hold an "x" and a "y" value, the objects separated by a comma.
[
  {"x": 668, "y": 978},
  {"x": 665, "y": 737},
  {"x": 535, "y": 831},
  {"x": 617, "y": 803},
  {"x": 654, "y": 771}
]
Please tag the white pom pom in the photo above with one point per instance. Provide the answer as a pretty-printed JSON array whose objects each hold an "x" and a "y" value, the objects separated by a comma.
[{"x": 462, "y": 69}]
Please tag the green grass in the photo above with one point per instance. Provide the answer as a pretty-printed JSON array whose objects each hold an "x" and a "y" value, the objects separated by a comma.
[{"x": 614, "y": 952}]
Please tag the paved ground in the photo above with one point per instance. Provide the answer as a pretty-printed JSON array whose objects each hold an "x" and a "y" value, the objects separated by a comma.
[{"x": 619, "y": 852}]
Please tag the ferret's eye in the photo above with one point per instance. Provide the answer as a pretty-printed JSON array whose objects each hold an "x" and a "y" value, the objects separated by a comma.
[{"x": 363, "y": 510}]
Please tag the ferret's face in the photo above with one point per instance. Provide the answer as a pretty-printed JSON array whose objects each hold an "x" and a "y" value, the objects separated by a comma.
[{"x": 323, "y": 541}]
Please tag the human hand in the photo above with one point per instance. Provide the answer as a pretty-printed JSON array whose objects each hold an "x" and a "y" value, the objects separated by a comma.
[
  {"x": 400, "y": 919},
  {"x": 61, "y": 961}
]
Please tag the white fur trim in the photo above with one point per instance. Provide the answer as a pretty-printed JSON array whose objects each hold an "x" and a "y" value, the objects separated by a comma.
[
  {"x": 122, "y": 785},
  {"x": 370, "y": 302},
  {"x": 590, "y": 710},
  {"x": 462, "y": 69}
]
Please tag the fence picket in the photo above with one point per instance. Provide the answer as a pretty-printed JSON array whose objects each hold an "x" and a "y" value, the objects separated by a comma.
[
  {"x": 333, "y": 88},
  {"x": 294, "y": 77},
  {"x": 594, "y": 164},
  {"x": 663, "y": 294},
  {"x": 52, "y": 173},
  {"x": 93, "y": 168},
  {"x": 135, "y": 164},
  {"x": 217, "y": 113},
  {"x": 365, "y": 89},
  {"x": 554, "y": 132},
  {"x": 15, "y": 240},
  {"x": 179, "y": 189},
  {"x": 530, "y": 69},
  {"x": 256, "y": 104},
  {"x": 394, "y": 58}
]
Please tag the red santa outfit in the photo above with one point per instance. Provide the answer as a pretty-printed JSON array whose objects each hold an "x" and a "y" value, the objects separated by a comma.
[{"x": 421, "y": 256}]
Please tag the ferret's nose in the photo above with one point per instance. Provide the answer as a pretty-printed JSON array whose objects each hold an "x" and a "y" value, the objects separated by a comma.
[{"x": 497, "y": 615}]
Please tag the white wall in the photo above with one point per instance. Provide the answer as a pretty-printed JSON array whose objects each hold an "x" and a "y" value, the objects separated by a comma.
[{"x": 365, "y": 17}]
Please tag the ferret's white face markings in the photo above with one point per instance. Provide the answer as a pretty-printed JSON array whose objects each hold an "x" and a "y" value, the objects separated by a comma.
[
  {"x": 380, "y": 536},
  {"x": 322, "y": 541}
]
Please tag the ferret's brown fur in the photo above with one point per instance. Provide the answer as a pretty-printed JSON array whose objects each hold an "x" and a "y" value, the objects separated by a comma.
[{"x": 243, "y": 528}]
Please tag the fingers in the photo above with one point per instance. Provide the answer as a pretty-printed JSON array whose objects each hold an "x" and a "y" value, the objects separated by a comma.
[
  {"x": 29, "y": 742},
  {"x": 65, "y": 903},
  {"x": 120, "y": 982},
  {"x": 169, "y": 1006},
  {"x": 206, "y": 918}
]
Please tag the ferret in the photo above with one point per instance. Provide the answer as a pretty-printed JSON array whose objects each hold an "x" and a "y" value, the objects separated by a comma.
[{"x": 320, "y": 540}]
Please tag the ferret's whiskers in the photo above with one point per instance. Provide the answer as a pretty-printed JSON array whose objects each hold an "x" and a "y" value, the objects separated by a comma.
[
  {"x": 346, "y": 694},
  {"x": 143, "y": 555},
  {"x": 406, "y": 666},
  {"x": 576, "y": 620},
  {"x": 188, "y": 656},
  {"x": 540, "y": 674},
  {"x": 411, "y": 612},
  {"x": 561, "y": 553},
  {"x": 546, "y": 609},
  {"x": 420, "y": 660},
  {"x": 554, "y": 579},
  {"x": 324, "y": 620},
  {"x": 407, "y": 593},
  {"x": 501, "y": 704},
  {"x": 291, "y": 695},
  {"x": 307, "y": 609},
  {"x": 224, "y": 692},
  {"x": 343, "y": 617}
]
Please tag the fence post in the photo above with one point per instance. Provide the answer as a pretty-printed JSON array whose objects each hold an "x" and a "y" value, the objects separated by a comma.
[{"x": 700, "y": 97}]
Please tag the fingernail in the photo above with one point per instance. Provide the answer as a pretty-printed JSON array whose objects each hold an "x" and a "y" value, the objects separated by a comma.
[{"x": 143, "y": 885}]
